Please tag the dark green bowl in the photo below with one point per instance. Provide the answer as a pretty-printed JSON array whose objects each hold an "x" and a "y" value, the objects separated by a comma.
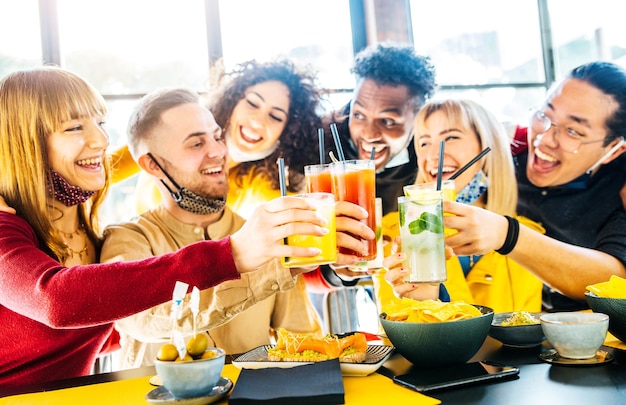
[
  {"x": 439, "y": 343},
  {"x": 615, "y": 308},
  {"x": 516, "y": 336}
]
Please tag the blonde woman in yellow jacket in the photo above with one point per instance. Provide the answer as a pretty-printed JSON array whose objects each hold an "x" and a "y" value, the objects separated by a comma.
[{"x": 492, "y": 279}]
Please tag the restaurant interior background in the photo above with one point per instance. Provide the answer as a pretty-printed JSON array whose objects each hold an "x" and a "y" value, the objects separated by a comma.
[{"x": 504, "y": 54}]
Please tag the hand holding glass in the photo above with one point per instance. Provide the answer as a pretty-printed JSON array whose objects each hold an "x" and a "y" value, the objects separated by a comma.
[{"x": 325, "y": 204}]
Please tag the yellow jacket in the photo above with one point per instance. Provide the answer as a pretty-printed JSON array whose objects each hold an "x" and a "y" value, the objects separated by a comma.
[
  {"x": 495, "y": 280},
  {"x": 253, "y": 189},
  {"x": 123, "y": 165}
]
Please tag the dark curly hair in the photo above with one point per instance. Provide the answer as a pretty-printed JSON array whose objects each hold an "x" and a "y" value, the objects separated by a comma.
[
  {"x": 296, "y": 141},
  {"x": 397, "y": 65}
]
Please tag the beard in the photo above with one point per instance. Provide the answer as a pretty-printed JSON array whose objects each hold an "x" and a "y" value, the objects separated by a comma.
[{"x": 211, "y": 188}]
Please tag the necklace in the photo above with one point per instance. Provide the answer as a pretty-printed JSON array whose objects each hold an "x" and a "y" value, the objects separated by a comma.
[
  {"x": 68, "y": 237},
  {"x": 71, "y": 252}
]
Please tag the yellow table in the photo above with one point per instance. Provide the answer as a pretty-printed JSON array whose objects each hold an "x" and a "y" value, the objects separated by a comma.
[{"x": 373, "y": 389}]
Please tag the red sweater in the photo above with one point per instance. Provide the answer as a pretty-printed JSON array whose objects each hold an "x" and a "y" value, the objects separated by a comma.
[{"x": 54, "y": 319}]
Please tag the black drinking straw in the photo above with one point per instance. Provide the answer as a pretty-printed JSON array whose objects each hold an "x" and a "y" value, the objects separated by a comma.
[
  {"x": 281, "y": 176},
  {"x": 333, "y": 129},
  {"x": 470, "y": 163},
  {"x": 283, "y": 188},
  {"x": 320, "y": 137},
  {"x": 442, "y": 146},
  {"x": 373, "y": 153}
]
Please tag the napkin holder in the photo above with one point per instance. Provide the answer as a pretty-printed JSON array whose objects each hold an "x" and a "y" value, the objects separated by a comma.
[{"x": 317, "y": 383}]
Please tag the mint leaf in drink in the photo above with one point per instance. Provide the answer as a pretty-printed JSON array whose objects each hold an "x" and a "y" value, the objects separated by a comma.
[
  {"x": 402, "y": 213},
  {"x": 426, "y": 222}
]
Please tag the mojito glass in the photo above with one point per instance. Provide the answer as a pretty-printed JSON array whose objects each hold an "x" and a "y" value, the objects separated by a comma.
[
  {"x": 448, "y": 191},
  {"x": 421, "y": 231}
]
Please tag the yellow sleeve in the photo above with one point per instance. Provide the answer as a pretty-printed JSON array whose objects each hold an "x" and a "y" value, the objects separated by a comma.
[{"x": 123, "y": 165}]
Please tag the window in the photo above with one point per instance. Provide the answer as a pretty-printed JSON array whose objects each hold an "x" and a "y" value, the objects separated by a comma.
[
  {"x": 20, "y": 35},
  {"x": 493, "y": 60},
  {"x": 134, "y": 47},
  {"x": 581, "y": 33},
  {"x": 315, "y": 34}
]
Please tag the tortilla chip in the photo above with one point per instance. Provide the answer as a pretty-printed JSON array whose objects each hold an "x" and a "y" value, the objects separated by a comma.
[{"x": 429, "y": 311}]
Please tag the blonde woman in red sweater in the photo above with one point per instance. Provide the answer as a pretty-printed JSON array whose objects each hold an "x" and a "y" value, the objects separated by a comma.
[{"x": 56, "y": 305}]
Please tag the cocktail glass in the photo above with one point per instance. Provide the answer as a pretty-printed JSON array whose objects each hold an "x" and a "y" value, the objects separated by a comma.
[
  {"x": 448, "y": 191},
  {"x": 325, "y": 205},
  {"x": 421, "y": 231},
  {"x": 377, "y": 262},
  {"x": 318, "y": 178},
  {"x": 355, "y": 181}
]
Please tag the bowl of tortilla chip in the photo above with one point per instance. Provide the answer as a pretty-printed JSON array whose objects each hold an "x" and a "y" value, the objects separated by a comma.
[{"x": 432, "y": 333}]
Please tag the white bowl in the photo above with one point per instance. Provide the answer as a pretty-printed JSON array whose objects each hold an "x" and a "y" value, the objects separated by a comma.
[
  {"x": 575, "y": 335},
  {"x": 191, "y": 378}
]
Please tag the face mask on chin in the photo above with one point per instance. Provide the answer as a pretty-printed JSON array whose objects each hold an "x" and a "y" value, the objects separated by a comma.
[
  {"x": 190, "y": 201},
  {"x": 239, "y": 156},
  {"x": 474, "y": 189},
  {"x": 69, "y": 195}
]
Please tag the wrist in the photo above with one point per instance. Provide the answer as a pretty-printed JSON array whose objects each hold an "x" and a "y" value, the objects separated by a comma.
[{"x": 512, "y": 235}]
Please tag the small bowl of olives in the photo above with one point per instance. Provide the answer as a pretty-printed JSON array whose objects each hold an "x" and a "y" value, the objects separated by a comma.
[{"x": 192, "y": 376}]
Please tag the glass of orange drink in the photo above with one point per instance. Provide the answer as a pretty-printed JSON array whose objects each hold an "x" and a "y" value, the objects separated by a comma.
[
  {"x": 325, "y": 206},
  {"x": 355, "y": 181}
]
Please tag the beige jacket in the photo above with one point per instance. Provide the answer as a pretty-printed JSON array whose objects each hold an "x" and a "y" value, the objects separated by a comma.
[{"x": 237, "y": 315}]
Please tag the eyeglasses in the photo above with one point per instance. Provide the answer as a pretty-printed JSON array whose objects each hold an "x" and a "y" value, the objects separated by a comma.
[{"x": 570, "y": 142}]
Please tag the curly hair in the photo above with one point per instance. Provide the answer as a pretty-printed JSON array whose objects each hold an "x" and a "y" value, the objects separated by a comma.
[
  {"x": 297, "y": 144},
  {"x": 397, "y": 65}
]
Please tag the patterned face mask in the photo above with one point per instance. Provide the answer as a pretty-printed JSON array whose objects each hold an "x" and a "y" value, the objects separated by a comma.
[
  {"x": 474, "y": 189},
  {"x": 64, "y": 192},
  {"x": 190, "y": 201}
]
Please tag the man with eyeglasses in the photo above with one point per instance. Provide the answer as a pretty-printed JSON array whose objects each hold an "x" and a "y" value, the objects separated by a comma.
[{"x": 570, "y": 173}]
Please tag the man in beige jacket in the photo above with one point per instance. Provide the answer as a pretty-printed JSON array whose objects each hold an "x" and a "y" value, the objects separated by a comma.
[{"x": 175, "y": 139}]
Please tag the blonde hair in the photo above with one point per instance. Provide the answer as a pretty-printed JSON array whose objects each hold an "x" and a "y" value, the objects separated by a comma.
[
  {"x": 33, "y": 104},
  {"x": 468, "y": 115}
]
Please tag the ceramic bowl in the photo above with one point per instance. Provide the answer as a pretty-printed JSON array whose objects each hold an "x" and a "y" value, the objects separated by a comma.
[
  {"x": 517, "y": 336},
  {"x": 575, "y": 335},
  {"x": 439, "y": 343},
  {"x": 190, "y": 379},
  {"x": 615, "y": 308}
]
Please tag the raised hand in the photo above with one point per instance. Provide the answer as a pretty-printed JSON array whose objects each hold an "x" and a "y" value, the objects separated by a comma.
[
  {"x": 395, "y": 273},
  {"x": 261, "y": 237},
  {"x": 478, "y": 230}
]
